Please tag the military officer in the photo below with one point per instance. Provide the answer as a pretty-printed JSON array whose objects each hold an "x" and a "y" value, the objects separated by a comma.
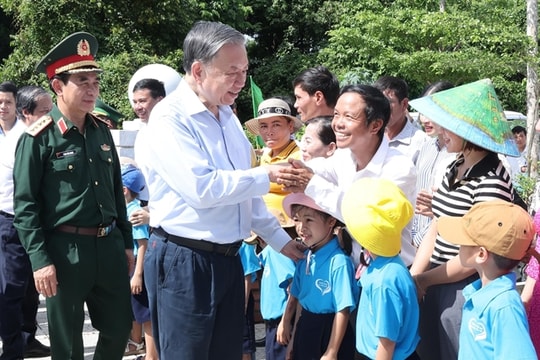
[{"x": 70, "y": 212}]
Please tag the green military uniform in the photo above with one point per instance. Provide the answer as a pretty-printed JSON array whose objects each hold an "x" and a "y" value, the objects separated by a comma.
[{"x": 68, "y": 180}]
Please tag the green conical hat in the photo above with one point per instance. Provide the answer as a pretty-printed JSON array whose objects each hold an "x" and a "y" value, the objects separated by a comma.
[{"x": 473, "y": 112}]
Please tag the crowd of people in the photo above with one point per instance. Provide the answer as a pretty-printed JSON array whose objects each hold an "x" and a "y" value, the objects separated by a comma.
[{"x": 374, "y": 237}]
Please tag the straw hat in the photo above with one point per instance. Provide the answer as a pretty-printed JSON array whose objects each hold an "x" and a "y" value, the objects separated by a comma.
[
  {"x": 473, "y": 112},
  {"x": 272, "y": 108}
]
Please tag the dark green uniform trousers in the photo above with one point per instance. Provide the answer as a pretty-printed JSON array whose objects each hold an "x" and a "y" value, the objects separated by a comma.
[{"x": 94, "y": 271}]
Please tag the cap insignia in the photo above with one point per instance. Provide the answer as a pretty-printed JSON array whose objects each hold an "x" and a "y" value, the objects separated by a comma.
[{"x": 83, "y": 48}]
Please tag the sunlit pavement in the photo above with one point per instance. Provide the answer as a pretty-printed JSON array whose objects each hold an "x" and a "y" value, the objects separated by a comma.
[{"x": 90, "y": 335}]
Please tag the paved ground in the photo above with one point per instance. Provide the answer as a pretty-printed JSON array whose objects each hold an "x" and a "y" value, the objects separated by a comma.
[{"x": 90, "y": 336}]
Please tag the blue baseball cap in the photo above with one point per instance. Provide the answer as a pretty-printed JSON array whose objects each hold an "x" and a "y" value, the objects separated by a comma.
[{"x": 132, "y": 178}]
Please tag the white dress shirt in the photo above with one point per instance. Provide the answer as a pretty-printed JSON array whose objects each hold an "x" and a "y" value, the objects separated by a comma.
[
  {"x": 334, "y": 175},
  {"x": 8, "y": 145},
  {"x": 409, "y": 141},
  {"x": 198, "y": 170}
]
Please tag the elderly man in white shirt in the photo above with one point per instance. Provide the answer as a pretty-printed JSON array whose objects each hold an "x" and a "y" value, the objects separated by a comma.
[
  {"x": 360, "y": 117},
  {"x": 204, "y": 199}
]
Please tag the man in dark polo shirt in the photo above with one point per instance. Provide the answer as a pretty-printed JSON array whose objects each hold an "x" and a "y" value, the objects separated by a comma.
[{"x": 70, "y": 212}]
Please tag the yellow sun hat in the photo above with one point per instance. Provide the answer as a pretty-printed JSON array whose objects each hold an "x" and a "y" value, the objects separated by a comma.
[{"x": 375, "y": 212}]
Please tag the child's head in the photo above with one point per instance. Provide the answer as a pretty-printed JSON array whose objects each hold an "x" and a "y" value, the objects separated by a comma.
[
  {"x": 494, "y": 229},
  {"x": 314, "y": 226},
  {"x": 375, "y": 212},
  {"x": 133, "y": 181}
]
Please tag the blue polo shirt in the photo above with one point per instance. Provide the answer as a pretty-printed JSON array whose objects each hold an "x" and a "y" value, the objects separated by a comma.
[
  {"x": 327, "y": 285},
  {"x": 388, "y": 308},
  {"x": 277, "y": 275},
  {"x": 250, "y": 261},
  {"x": 139, "y": 232},
  {"x": 494, "y": 323}
]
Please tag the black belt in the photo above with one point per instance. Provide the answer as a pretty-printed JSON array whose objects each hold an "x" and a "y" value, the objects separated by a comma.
[
  {"x": 208, "y": 246},
  {"x": 7, "y": 215},
  {"x": 98, "y": 231},
  {"x": 273, "y": 322}
]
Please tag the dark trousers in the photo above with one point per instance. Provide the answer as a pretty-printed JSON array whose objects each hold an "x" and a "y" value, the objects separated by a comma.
[
  {"x": 196, "y": 301},
  {"x": 18, "y": 297},
  {"x": 94, "y": 271},
  {"x": 313, "y": 335},
  {"x": 273, "y": 349},
  {"x": 440, "y": 320}
]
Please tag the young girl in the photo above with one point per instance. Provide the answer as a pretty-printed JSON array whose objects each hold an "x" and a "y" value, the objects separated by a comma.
[{"x": 323, "y": 285}]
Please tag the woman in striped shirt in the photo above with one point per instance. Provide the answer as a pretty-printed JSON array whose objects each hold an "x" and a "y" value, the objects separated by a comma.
[{"x": 476, "y": 175}]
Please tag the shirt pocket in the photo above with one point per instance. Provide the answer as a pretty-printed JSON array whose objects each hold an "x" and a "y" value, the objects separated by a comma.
[
  {"x": 106, "y": 168},
  {"x": 69, "y": 164},
  {"x": 67, "y": 175},
  {"x": 106, "y": 157}
]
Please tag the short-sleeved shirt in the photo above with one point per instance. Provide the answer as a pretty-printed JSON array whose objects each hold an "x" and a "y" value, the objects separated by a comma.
[
  {"x": 324, "y": 281},
  {"x": 494, "y": 323},
  {"x": 278, "y": 271},
  {"x": 140, "y": 232},
  {"x": 388, "y": 308},
  {"x": 409, "y": 141},
  {"x": 290, "y": 151},
  {"x": 487, "y": 180},
  {"x": 64, "y": 177},
  {"x": 250, "y": 261}
]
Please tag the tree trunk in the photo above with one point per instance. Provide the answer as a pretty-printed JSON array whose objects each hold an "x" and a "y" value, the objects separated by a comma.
[
  {"x": 442, "y": 5},
  {"x": 532, "y": 88}
]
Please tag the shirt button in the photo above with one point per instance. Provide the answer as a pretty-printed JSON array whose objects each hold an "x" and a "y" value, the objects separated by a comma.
[
  {"x": 109, "y": 159},
  {"x": 96, "y": 183},
  {"x": 70, "y": 167},
  {"x": 90, "y": 160},
  {"x": 100, "y": 205}
]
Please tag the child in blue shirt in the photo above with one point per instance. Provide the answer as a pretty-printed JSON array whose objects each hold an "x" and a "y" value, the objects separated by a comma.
[
  {"x": 250, "y": 265},
  {"x": 278, "y": 271},
  {"x": 375, "y": 212},
  {"x": 134, "y": 183},
  {"x": 493, "y": 236},
  {"x": 323, "y": 285}
]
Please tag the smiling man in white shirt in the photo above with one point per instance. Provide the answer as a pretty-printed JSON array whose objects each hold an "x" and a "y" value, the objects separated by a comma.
[{"x": 360, "y": 116}]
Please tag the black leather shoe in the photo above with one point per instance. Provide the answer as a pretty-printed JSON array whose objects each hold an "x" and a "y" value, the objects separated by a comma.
[{"x": 36, "y": 349}]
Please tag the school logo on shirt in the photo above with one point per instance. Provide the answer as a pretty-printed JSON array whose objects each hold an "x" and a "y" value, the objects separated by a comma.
[
  {"x": 323, "y": 286},
  {"x": 477, "y": 329}
]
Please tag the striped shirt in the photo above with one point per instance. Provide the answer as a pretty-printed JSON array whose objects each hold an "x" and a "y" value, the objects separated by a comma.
[
  {"x": 432, "y": 161},
  {"x": 486, "y": 180}
]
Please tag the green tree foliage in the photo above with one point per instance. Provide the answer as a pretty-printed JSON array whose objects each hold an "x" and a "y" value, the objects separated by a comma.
[
  {"x": 414, "y": 40},
  {"x": 358, "y": 40},
  {"x": 131, "y": 33}
]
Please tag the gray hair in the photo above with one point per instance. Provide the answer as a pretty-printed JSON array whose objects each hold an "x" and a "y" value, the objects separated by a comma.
[
  {"x": 205, "y": 39},
  {"x": 27, "y": 98}
]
